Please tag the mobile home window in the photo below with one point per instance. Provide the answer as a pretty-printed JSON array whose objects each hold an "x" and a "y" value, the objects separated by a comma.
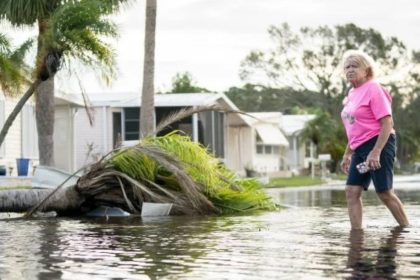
[
  {"x": 131, "y": 123},
  {"x": 268, "y": 149}
]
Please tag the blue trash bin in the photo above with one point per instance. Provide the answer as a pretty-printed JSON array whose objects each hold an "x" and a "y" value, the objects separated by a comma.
[{"x": 22, "y": 166}]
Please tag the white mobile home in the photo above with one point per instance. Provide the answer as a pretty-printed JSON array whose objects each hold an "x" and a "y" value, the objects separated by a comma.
[{"x": 116, "y": 120}]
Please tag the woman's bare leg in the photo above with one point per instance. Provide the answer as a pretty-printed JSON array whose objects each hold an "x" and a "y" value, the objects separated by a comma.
[
  {"x": 395, "y": 206},
  {"x": 354, "y": 206}
]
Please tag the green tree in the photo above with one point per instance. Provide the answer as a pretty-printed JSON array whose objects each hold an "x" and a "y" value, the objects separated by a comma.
[
  {"x": 184, "y": 83},
  {"x": 310, "y": 60},
  {"x": 406, "y": 116},
  {"x": 327, "y": 135},
  {"x": 147, "y": 112},
  {"x": 66, "y": 30},
  {"x": 258, "y": 98}
]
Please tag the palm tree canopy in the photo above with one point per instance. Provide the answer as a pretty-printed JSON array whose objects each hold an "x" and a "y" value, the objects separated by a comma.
[
  {"x": 27, "y": 12},
  {"x": 74, "y": 30}
]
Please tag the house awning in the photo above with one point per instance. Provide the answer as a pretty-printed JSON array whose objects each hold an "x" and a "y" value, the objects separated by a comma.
[{"x": 271, "y": 135}]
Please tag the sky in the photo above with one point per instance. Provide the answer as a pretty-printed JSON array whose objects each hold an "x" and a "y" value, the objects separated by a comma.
[{"x": 210, "y": 38}]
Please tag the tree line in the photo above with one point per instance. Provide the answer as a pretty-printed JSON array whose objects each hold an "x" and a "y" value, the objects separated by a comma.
[{"x": 302, "y": 73}]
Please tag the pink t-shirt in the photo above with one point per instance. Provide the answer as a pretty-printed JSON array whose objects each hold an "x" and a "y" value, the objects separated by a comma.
[{"x": 363, "y": 108}]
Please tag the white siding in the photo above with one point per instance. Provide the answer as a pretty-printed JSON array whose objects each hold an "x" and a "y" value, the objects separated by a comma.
[
  {"x": 88, "y": 139},
  {"x": 266, "y": 163},
  {"x": 109, "y": 128},
  {"x": 296, "y": 153},
  {"x": 29, "y": 133},
  {"x": 13, "y": 140},
  {"x": 240, "y": 148},
  {"x": 63, "y": 138}
]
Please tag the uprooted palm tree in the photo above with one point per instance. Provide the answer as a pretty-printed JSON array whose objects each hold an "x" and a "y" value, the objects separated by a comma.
[
  {"x": 69, "y": 29},
  {"x": 167, "y": 169}
]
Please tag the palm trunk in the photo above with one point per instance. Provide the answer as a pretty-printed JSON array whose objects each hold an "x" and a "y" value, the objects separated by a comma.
[
  {"x": 64, "y": 201},
  {"x": 147, "y": 112},
  {"x": 16, "y": 110},
  {"x": 44, "y": 105}
]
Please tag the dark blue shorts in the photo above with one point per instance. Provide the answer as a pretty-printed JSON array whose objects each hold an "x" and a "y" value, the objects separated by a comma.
[{"x": 383, "y": 177}]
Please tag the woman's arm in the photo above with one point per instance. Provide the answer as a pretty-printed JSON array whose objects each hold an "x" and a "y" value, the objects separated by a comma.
[
  {"x": 345, "y": 163},
  {"x": 386, "y": 127}
]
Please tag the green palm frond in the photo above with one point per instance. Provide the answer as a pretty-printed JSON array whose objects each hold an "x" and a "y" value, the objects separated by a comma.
[
  {"x": 74, "y": 30},
  {"x": 135, "y": 164},
  {"x": 13, "y": 70},
  {"x": 26, "y": 12},
  {"x": 196, "y": 159},
  {"x": 165, "y": 164},
  {"x": 251, "y": 197},
  {"x": 175, "y": 153},
  {"x": 4, "y": 43},
  {"x": 77, "y": 30},
  {"x": 221, "y": 185},
  {"x": 20, "y": 52}
]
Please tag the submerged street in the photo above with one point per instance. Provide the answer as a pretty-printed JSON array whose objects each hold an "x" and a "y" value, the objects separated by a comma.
[{"x": 309, "y": 238}]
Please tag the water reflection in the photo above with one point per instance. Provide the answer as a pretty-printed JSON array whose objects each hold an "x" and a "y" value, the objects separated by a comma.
[
  {"x": 48, "y": 242},
  {"x": 373, "y": 263},
  {"x": 310, "y": 240},
  {"x": 129, "y": 247}
]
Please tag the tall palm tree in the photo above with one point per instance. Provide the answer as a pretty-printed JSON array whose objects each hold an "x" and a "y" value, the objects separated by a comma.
[
  {"x": 67, "y": 29},
  {"x": 147, "y": 112}
]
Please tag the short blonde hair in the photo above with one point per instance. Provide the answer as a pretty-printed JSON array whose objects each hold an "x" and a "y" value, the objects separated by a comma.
[{"x": 361, "y": 58}]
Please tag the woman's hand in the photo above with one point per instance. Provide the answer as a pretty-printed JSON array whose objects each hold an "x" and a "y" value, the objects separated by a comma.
[
  {"x": 373, "y": 159},
  {"x": 345, "y": 164}
]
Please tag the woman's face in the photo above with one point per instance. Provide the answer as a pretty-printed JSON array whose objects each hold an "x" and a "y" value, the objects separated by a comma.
[{"x": 355, "y": 73}]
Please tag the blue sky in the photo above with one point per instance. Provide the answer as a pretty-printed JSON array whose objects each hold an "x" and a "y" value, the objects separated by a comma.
[{"x": 209, "y": 38}]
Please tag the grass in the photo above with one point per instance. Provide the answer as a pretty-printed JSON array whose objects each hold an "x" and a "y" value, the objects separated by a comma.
[
  {"x": 342, "y": 177},
  {"x": 296, "y": 181}
]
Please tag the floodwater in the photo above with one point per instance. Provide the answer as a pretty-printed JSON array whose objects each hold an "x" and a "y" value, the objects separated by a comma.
[{"x": 310, "y": 239}]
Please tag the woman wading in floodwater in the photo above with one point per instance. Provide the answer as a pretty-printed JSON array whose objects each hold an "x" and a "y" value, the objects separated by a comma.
[{"x": 370, "y": 152}]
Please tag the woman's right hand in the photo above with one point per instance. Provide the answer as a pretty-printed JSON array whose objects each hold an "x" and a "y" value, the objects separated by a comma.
[{"x": 345, "y": 164}]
